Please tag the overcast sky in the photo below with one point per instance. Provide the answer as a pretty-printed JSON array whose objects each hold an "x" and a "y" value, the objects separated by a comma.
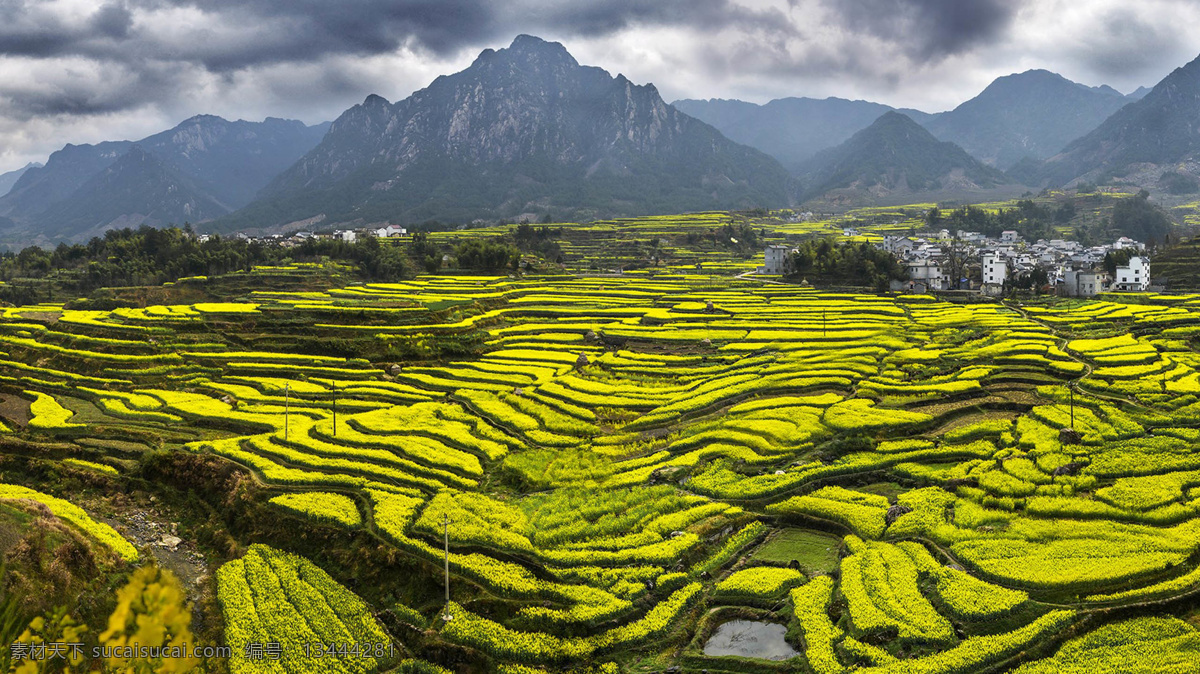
[{"x": 78, "y": 71}]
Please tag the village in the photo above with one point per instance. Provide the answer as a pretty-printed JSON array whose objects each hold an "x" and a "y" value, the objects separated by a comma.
[{"x": 971, "y": 261}]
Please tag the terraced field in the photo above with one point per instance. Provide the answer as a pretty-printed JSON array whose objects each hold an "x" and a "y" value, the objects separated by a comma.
[{"x": 997, "y": 487}]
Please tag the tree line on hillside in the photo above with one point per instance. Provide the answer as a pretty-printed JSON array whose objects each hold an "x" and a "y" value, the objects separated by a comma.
[
  {"x": 1031, "y": 220},
  {"x": 150, "y": 256},
  {"x": 1134, "y": 217}
]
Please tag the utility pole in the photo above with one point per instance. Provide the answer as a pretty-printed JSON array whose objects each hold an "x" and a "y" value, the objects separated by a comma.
[
  {"x": 287, "y": 391},
  {"x": 446, "y": 537}
]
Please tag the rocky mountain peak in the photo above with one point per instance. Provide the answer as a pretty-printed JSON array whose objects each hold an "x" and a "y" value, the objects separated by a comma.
[
  {"x": 521, "y": 128},
  {"x": 375, "y": 100},
  {"x": 535, "y": 50}
]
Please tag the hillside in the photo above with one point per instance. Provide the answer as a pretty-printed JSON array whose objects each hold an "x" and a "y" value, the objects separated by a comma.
[
  {"x": 522, "y": 130},
  {"x": 1142, "y": 143},
  {"x": 136, "y": 189},
  {"x": 232, "y": 161},
  {"x": 1030, "y": 114},
  {"x": 749, "y": 451},
  {"x": 7, "y": 180},
  {"x": 791, "y": 130},
  {"x": 65, "y": 171},
  {"x": 203, "y": 168},
  {"x": 894, "y": 155}
]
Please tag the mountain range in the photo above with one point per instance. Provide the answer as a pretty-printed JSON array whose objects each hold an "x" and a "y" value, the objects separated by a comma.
[
  {"x": 1147, "y": 142},
  {"x": 523, "y": 130},
  {"x": 1033, "y": 115},
  {"x": 791, "y": 130},
  {"x": 526, "y": 131},
  {"x": 201, "y": 169},
  {"x": 894, "y": 155},
  {"x": 7, "y": 180},
  {"x": 1026, "y": 115}
]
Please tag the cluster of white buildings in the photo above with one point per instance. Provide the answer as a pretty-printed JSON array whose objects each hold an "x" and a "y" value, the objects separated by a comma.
[
  {"x": 1071, "y": 268},
  {"x": 346, "y": 235}
]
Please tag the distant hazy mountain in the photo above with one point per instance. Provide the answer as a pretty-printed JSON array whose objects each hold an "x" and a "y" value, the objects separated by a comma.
[
  {"x": 65, "y": 171},
  {"x": 1137, "y": 94},
  {"x": 1143, "y": 140},
  {"x": 7, "y": 180},
  {"x": 522, "y": 130},
  {"x": 895, "y": 155},
  {"x": 1030, "y": 114},
  {"x": 791, "y": 130},
  {"x": 137, "y": 188},
  {"x": 206, "y": 167},
  {"x": 232, "y": 161}
]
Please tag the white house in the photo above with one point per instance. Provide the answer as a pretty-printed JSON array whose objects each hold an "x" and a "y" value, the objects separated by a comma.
[
  {"x": 1010, "y": 236},
  {"x": 898, "y": 245},
  {"x": 390, "y": 231},
  {"x": 1132, "y": 277},
  {"x": 347, "y": 235},
  {"x": 927, "y": 273},
  {"x": 995, "y": 273},
  {"x": 774, "y": 260},
  {"x": 995, "y": 269}
]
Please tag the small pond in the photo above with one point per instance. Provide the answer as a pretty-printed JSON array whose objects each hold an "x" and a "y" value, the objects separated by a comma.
[{"x": 750, "y": 639}]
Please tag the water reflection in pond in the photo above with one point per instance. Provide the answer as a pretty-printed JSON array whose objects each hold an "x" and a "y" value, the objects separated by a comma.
[{"x": 750, "y": 639}]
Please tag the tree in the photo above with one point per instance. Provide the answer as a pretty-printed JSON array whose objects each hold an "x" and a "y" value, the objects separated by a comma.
[
  {"x": 1117, "y": 258},
  {"x": 1139, "y": 219},
  {"x": 822, "y": 261},
  {"x": 490, "y": 255}
]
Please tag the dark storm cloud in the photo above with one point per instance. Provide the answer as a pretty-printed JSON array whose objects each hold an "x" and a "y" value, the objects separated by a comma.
[
  {"x": 302, "y": 30},
  {"x": 27, "y": 29},
  {"x": 112, "y": 21},
  {"x": 78, "y": 101},
  {"x": 929, "y": 29},
  {"x": 86, "y": 89},
  {"x": 601, "y": 18},
  {"x": 309, "y": 29},
  {"x": 225, "y": 37},
  {"x": 274, "y": 31},
  {"x": 1127, "y": 45}
]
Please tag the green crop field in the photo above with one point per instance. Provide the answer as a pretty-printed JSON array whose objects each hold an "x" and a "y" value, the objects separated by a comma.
[{"x": 611, "y": 466}]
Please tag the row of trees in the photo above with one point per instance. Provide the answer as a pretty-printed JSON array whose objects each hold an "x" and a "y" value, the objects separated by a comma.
[
  {"x": 845, "y": 264},
  {"x": 1134, "y": 217},
  {"x": 149, "y": 256},
  {"x": 1031, "y": 220}
]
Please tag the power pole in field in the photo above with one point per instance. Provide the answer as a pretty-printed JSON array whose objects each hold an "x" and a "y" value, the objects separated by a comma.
[
  {"x": 287, "y": 392},
  {"x": 446, "y": 538}
]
